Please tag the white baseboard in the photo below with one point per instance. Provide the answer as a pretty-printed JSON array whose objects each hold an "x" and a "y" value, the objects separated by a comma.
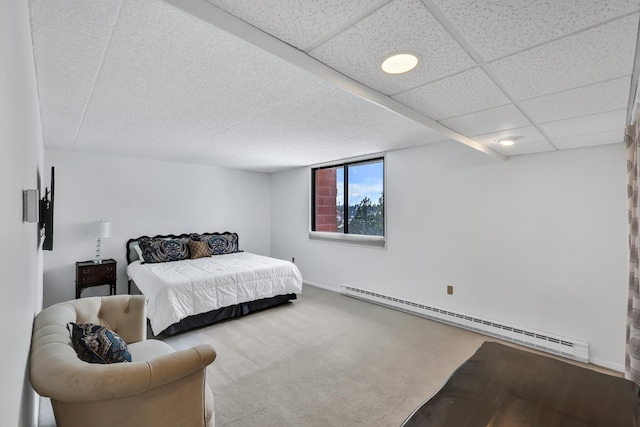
[{"x": 619, "y": 367}]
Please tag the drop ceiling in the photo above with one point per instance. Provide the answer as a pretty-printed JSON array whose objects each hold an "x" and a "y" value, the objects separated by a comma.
[{"x": 271, "y": 85}]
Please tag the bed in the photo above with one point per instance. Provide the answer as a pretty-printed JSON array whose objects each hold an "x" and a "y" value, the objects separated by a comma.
[
  {"x": 192, "y": 280},
  {"x": 505, "y": 386}
]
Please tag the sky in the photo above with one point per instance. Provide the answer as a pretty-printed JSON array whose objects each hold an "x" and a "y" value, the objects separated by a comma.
[{"x": 365, "y": 180}]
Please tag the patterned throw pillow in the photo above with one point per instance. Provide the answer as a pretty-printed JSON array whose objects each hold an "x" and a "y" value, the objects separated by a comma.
[
  {"x": 199, "y": 249},
  {"x": 163, "y": 250},
  {"x": 219, "y": 244},
  {"x": 97, "y": 344}
]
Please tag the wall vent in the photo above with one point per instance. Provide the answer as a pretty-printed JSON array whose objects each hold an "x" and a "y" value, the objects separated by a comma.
[{"x": 565, "y": 347}]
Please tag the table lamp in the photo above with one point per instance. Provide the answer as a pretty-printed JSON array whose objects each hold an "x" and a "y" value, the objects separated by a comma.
[{"x": 100, "y": 230}]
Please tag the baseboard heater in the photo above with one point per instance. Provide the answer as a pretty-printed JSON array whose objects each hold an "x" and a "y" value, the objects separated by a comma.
[{"x": 565, "y": 347}]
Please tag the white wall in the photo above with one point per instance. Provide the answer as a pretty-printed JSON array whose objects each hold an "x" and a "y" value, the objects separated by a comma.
[
  {"x": 539, "y": 241},
  {"x": 20, "y": 261},
  {"x": 144, "y": 197}
]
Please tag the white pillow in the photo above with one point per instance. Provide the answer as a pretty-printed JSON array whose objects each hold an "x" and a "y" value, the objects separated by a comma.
[{"x": 136, "y": 246}]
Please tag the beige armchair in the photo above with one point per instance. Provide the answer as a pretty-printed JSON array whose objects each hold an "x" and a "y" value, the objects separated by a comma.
[{"x": 160, "y": 387}]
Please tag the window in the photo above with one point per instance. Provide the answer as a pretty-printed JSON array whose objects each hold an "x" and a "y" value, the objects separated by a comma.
[{"x": 348, "y": 198}]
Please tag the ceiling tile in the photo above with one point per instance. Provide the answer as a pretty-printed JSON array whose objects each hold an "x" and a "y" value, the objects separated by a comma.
[
  {"x": 595, "y": 123},
  {"x": 590, "y": 140},
  {"x": 522, "y": 148},
  {"x": 591, "y": 56},
  {"x": 155, "y": 79},
  {"x": 69, "y": 41},
  {"x": 582, "y": 101},
  {"x": 312, "y": 130},
  {"x": 299, "y": 23},
  {"x": 169, "y": 80},
  {"x": 460, "y": 94},
  {"x": 523, "y": 134},
  {"x": 492, "y": 120},
  {"x": 496, "y": 28},
  {"x": 401, "y": 26},
  {"x": 528, "y": 140}
]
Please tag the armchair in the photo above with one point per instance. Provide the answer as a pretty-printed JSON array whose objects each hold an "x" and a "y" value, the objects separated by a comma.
[{"x": 160, "y": 387}]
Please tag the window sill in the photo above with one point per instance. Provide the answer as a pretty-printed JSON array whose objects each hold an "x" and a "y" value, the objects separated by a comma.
[{"x": 376, "y": 241}]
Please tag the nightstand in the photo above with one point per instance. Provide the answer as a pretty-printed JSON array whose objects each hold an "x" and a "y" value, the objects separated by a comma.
[{"x": 90, "y": 274}]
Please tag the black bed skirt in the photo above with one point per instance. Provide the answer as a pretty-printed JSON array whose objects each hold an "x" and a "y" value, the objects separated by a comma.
[{"x": 215, "y": 316}]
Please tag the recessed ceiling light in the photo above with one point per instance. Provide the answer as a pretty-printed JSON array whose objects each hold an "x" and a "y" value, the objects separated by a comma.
[
  {"x": 399, "y": 63},
  {"x": 507, "y": 141}
]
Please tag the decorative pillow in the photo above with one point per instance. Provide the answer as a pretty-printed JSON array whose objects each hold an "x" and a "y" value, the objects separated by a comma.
[
  {"x": 97, "y": 344},
  {"x": 219, "y": 244},
  {"x": 163, "y": 250},
  {"x": 136, "y": 247},
  {"x": 199, "y": 249}
]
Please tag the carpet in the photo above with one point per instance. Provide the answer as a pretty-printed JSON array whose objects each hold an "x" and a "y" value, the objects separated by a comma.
[
  {"x": 505, "y": 386},
  {"x": 327, "y": 360}
]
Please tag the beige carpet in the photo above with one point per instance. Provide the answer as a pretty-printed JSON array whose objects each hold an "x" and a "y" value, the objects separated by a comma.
[
  {"x": 325, "y": 360},
  {"x": 328, "y": 360}
]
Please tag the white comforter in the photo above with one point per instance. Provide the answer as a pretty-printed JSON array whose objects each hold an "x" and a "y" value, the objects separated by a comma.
[{"x": 183, "y": 288}]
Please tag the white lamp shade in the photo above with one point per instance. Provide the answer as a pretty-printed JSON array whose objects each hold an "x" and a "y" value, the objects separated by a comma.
[{"x": 100, "y": 229}]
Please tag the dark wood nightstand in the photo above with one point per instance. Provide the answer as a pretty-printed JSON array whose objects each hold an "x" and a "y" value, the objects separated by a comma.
[{"x": 90, "y": 274}]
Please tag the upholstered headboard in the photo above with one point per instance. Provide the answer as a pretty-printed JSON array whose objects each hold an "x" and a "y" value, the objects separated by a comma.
[{"x": 132, "y": 255}]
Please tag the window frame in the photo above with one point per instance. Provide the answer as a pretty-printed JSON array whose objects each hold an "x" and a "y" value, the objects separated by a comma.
[{"x": 369, "y": 240}]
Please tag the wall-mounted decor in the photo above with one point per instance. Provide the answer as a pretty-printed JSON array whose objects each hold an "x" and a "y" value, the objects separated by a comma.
[{"x": 46, "y": 214}]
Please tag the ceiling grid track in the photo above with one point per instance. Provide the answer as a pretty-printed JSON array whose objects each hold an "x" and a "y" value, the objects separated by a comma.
[
  {"x": 484, "y": 66},
  {"x": 516, "y": 103},
  {"x": 325, "y": 38},
  {"x": 97, "y": 75}
]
